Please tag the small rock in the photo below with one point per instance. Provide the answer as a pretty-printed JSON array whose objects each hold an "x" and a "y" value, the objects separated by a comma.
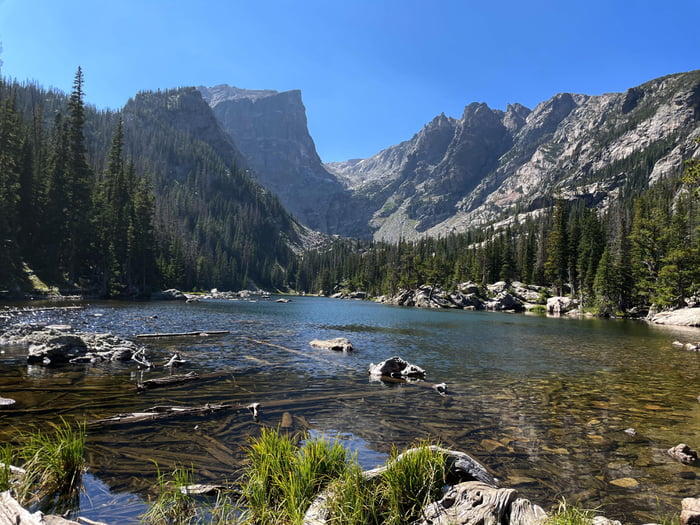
[
  {"x": 683, "y": 453},
  {"x": 626, "y": 483},
  {"x": 397, "y": 368},
  {"x": 690, "y": 511}
]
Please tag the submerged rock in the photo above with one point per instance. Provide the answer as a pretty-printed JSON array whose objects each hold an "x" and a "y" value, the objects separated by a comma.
[{"x": 339, "y": 344}]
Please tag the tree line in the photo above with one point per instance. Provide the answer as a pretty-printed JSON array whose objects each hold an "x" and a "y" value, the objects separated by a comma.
[
  {"x": 642, "y": 251},
  {"x": 119, "y": 204}
]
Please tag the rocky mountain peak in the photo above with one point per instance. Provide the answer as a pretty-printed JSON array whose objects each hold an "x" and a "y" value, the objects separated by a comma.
[{"x": 270, "y": 129}]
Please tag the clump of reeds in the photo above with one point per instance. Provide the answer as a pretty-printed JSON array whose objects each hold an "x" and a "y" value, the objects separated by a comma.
[
  {"x": 282, "y": 480},
  {"x": 566, "y": 514},
  {"x": 172, "y": 505},
  {"x": 53, "y": 461},
  {"x": 7, "y": 456}
]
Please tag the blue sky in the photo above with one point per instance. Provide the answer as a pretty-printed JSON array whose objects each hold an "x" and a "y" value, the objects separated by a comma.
[{"x": 372, "y": 73}]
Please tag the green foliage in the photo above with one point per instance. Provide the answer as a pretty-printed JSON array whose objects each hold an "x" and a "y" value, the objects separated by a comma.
[
  {"x": 172, "y": 505},
  {"x": 282, "y": 479},
  {"x": 570, "y": 515}
]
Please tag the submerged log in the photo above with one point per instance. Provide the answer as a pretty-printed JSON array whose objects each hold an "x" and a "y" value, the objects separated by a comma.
[
  {"x": 159, "y": 382},
  {"x": 199, "y": 333},
  {"x": 158, "y": 412}
]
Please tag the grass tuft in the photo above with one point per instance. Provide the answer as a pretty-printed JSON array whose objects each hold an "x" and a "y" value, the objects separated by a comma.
[
  {"x": 54, "y": 461},
  {"x": 172, "y": 505}
]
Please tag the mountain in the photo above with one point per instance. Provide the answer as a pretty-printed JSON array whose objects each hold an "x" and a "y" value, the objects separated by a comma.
[
  {"x": 489, "y": 165},
  {"x": 270, "y": 130},
  {"x": 206, "y": 203}
]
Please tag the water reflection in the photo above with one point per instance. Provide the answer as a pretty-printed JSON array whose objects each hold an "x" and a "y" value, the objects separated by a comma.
[{"x": 542, "y": 402}]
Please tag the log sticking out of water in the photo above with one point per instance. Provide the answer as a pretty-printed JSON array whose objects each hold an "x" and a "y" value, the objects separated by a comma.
[{"x": 199, "y": 333}]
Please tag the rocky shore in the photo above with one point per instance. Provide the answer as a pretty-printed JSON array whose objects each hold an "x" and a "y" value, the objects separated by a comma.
[{"x": 513, "y": 297}]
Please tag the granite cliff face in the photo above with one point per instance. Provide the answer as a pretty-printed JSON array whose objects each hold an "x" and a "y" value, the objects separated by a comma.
[
  {"x": 489, "y": 165},
  {"x": 270, "y": 130}
]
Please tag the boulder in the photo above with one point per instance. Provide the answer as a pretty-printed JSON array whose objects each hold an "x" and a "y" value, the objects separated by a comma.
[
  {"x": 690, "y": 511},
  {"x": 559, "y": 305},
  {"x": 504, "y": 301},
  {"x": 339, "y": 344},
  {"x": 681, "y": 317},
  {"x": 169, "y": 295},
  {"x": 683, "y": 453},
  {"x": 469, "y": 288},
  {"x": 397, "y": 368}
]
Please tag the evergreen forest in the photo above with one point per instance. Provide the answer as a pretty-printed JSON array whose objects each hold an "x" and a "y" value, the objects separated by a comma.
[{"x": 120, "y": 204}]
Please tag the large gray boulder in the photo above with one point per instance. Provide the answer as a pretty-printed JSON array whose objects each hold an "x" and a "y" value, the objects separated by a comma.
[{"x": 56, "y": 345}]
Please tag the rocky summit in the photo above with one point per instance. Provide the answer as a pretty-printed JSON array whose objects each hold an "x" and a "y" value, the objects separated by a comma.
[
  {"x": 494, "y": 165},
  {"x": 487, "y": 166}
]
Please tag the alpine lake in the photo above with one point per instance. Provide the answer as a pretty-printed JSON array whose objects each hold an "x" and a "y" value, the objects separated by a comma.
[{"x": 543, "y": 402}]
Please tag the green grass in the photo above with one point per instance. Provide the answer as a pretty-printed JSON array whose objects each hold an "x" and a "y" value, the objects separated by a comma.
[
  {"x": 54, "y": 461},
  {"x": 566, "y": 514},
  {"x": 282, "y": 479},
  {"x": 7, "y": 456},
  {"x": 172, "y": 505}
]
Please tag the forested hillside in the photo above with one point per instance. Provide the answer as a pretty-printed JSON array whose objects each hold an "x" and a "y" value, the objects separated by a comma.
[{"x": 119, "y": 204}]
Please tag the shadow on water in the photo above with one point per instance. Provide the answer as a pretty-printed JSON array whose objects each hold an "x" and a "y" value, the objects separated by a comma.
[{"x": 544, "y": 403}]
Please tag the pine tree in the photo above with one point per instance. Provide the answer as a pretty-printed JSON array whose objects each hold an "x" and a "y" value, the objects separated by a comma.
[
  {"x": 556, "y": 266},
  {"x": 79, "y": 179}
]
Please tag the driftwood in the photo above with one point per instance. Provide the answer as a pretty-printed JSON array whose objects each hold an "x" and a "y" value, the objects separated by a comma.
[
  {"x": 199, "y": 333},
  {"x": 158, "y": 412},
  {"x": 159, "y": 382},
  {"x": 12, "y": 513}
]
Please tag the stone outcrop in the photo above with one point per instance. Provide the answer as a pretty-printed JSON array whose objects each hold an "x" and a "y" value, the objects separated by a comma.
[
  {"x": 514, "y": 297},
  {"x": 51, "y": 346},
  {"x": 681, "y": 317}
]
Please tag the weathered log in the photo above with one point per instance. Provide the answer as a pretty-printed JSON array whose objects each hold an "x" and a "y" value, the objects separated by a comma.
[
  {"x": 159, "y": 382},
  {"x": 12, "y": 513},
  {"x": 199, "y": 333},
  {"x": 158, "y": 412}
]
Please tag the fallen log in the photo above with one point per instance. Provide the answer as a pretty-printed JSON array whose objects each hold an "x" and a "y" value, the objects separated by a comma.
[
  {"x": 159, "y": 382},
  {"x": 158, "y": 412},
  {"x": 199, "y": 333}
]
